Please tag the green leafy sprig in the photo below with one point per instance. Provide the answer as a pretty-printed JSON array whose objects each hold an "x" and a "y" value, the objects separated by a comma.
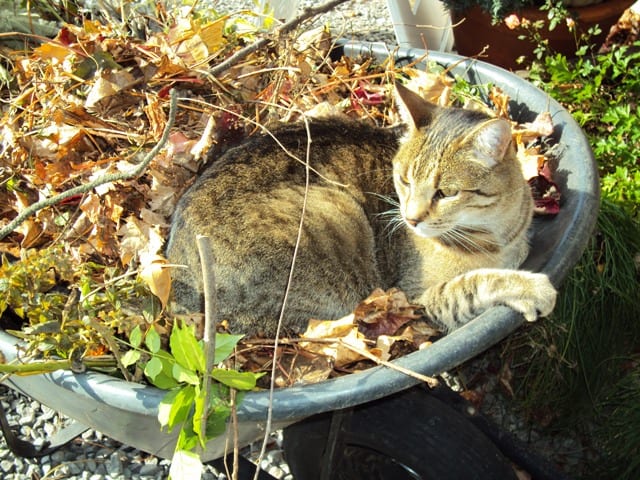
[{"x": 182, "y": 372}]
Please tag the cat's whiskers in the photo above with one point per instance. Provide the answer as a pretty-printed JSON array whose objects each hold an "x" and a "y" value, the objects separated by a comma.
[
  {"x": 392, "y": 220},
  {"x": 468, "y": 241}
]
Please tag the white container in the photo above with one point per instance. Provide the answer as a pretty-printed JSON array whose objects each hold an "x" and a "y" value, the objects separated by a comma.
[
  {"x": 421, "y": 24},
  {"x": 283, "y": 10}
]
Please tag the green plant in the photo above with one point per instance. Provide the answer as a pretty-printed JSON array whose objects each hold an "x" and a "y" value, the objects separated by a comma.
[
  {"x": 198, "y": 407},
  {"x": 498, "y": 9},
  {"x": 71, "y": 323},
  {"x": 602, "y": 91},
  {"x": 572, "y": 358},
  {"x": 621, "y": 444},
  {"x": 576, "y": 370}
]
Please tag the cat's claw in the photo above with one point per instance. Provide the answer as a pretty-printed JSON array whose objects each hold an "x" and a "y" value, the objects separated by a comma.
[{"x": 537, "y": 299}]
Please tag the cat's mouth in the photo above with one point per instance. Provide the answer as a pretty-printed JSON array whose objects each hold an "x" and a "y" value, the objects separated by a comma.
[{"x": 423, "y": 229}]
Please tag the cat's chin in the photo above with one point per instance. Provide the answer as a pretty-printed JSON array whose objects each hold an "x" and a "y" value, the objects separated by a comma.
[{"x": 424, "y": 231}]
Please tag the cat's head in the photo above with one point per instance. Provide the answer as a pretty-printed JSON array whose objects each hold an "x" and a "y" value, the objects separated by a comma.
[{"x": 453, "y": 166}]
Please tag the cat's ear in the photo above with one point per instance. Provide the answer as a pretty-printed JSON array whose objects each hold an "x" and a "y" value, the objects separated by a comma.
[
  {"x": 491, "y": 141},
  {"x": 414, "y": 110}
]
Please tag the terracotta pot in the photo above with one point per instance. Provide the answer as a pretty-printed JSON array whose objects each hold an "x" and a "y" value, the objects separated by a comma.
[{"x": 474, "y": 30}]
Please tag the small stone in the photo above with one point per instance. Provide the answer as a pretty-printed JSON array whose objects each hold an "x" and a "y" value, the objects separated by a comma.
[
  {"x": 76, "y": 468},
  {"x": 49, "y": 428},
  {"x": 58, "y": 456},
  {"x": 47, "y": 413},
  {"x": 276, "y": 472},
  {"x": 149, "y": 469},
  {"x": 7, "y": 466},
  {"x": 275, "y": 457},
  {"x": 33, "y": 471},
  {"x": 114, "y": 465}
]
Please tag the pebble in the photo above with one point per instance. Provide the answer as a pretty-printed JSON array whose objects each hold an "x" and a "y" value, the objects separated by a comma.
[
  {"x": 114, "y": 465},
  {"x": 7, "y": 466},
  {"x": 149, "y": 469}
]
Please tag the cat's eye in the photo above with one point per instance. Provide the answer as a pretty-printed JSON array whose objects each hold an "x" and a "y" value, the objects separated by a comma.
[
  {"x": 404, "y": 181},
  {"x": 444, "y": 193}
]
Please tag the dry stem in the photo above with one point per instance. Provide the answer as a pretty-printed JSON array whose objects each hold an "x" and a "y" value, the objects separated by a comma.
[
  {"x": 113, "y": 177},
  {"x": 263, "y": 42},
  {"x": 207, "y": 263}
]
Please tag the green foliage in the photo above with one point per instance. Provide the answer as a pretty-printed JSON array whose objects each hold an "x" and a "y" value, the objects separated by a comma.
[
  {"x": 496, "y": 8},
  {"x": 182, "y": 371},
  {"x": 578, "y": 367},
  {"x": 571, "y": 359},
  {"x": 59, "y": 321},
  {"x": 621, "y": 444},
  {"x": 602, "y": 91}
]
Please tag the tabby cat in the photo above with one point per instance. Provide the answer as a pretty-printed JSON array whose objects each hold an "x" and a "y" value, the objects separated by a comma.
[{"x": 452, "y": 242}]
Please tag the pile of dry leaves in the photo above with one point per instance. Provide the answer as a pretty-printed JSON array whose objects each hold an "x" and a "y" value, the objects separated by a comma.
[{"x": 83, "y": 272}]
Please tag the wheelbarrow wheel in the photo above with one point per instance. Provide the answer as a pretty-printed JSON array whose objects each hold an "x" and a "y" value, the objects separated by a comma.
[{"x": 410, "y": 435}]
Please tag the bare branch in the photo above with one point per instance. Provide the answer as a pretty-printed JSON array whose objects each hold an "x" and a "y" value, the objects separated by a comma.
[
  {"x": 263, "y": 42},
  {"x": 112, "y": 177},
  {"x": 207, "y": 263}
]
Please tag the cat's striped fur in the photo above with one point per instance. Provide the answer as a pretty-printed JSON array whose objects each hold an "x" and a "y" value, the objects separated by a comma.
[{"x": 459, "y": 237}]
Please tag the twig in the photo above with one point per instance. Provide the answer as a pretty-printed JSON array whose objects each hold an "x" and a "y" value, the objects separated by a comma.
[
  {"x": 207, "y": 263},
  {"x": 112, "y": 177},
  {"x": 431, "y": 381},
  {"x": 272, "y": 384},
  {"x": 263, "y": 42},
  {"x": 35, "y": 368},
  {"x": 236, "y": 434}
]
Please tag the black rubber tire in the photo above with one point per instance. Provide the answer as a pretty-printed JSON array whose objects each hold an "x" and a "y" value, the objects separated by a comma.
[{"x": 410, "y": 435}]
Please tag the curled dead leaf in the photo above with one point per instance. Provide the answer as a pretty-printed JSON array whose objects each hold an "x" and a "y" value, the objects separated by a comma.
[
  {"x": 345, "y": 333},
  {"x": 157, "y": 276},
  {"x": 383, "y": 313}
]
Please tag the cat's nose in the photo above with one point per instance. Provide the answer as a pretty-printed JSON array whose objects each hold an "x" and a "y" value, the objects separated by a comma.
[{"x": 412, "y": 221}]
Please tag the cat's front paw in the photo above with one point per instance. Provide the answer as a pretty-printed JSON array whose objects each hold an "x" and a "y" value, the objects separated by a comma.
[{"x": 536, "y": 296}]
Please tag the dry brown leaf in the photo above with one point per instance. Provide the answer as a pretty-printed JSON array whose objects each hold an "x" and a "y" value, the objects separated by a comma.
[
  {"x": 383, "y": 313},
  {"x": 52, "y": 51},
  {"x": 343, "y": 330},
  {"x": 139, "y": 240},
  {"x": 500, "y": 101},
  {"x": 299, "y": 368},
  {"x": 542, "y": 126},
  {"x": 157, "y": 276},
  {"x": 531, "y": 160},
  {"x": 431, "y": 86},
  {"x": 92, "y": 207}
]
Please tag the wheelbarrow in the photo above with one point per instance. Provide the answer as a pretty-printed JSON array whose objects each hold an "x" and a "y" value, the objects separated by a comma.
[{"x": 128, "y": 411}]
